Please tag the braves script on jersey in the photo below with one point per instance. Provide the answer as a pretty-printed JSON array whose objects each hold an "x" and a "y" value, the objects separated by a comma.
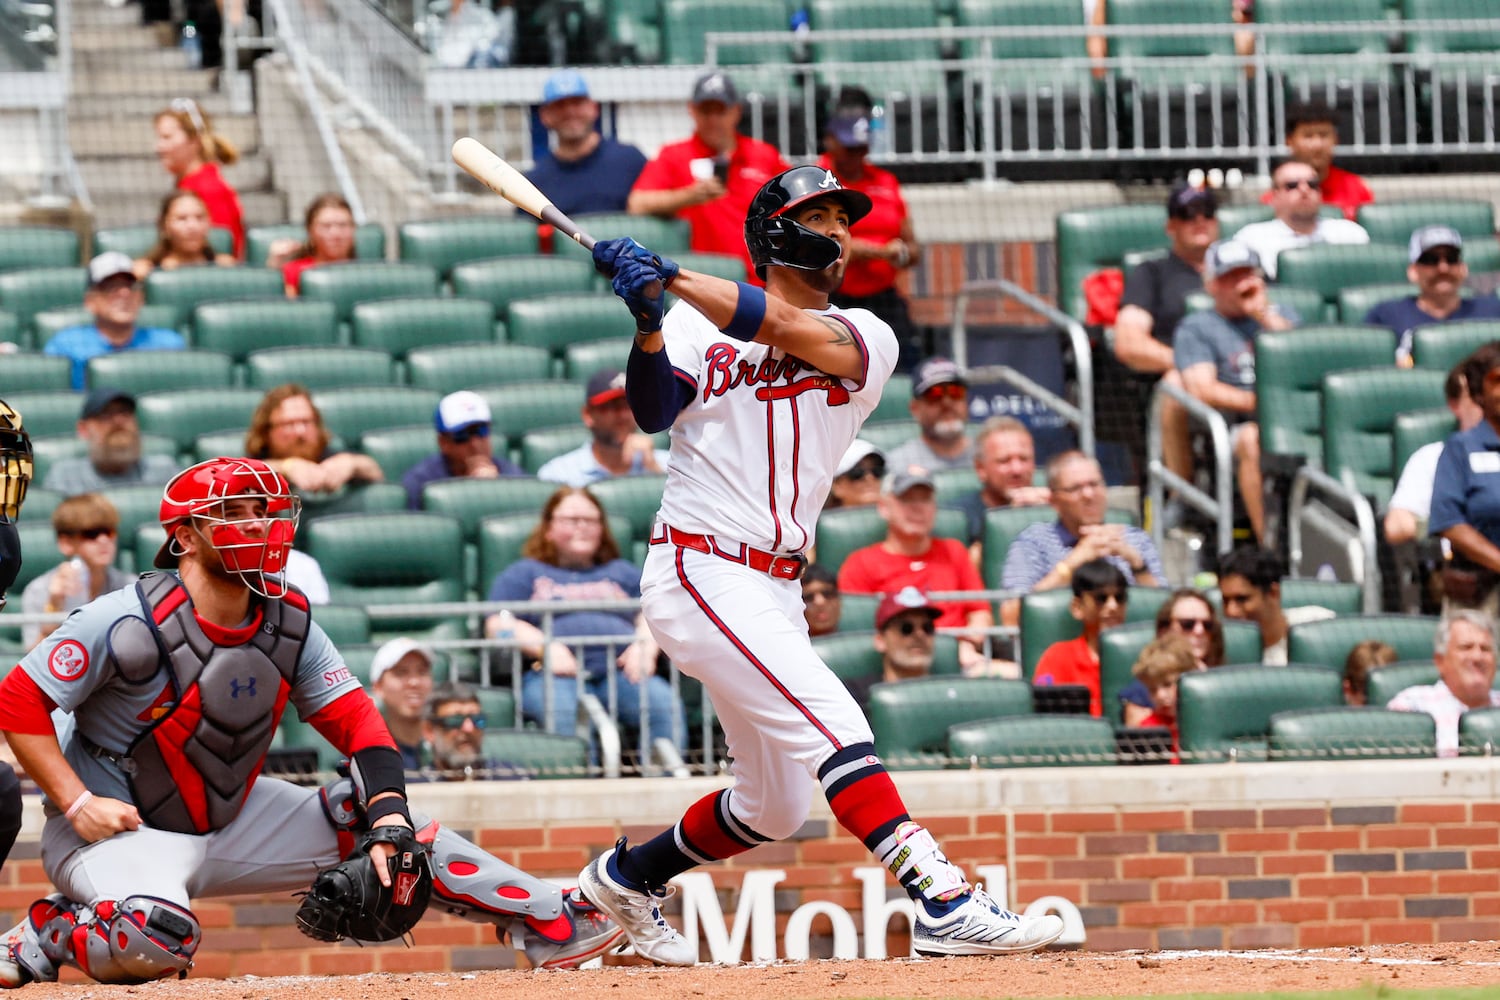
[{"x": 754, "y": 454}]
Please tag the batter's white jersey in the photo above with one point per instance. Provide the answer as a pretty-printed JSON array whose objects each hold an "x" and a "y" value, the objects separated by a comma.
[{"x": 755, "y": 452}]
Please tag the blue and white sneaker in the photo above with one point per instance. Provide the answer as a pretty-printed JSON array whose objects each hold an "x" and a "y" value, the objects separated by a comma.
[
  {"x": 979, "y": 926},
  {"x": 637, "y": 913}
]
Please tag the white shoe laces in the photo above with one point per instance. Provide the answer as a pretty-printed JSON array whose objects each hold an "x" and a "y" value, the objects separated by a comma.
[{"x": 645, "y": 908}]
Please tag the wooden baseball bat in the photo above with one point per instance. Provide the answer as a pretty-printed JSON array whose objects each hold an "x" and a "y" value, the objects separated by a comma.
[{"x": 485, "y": 166}]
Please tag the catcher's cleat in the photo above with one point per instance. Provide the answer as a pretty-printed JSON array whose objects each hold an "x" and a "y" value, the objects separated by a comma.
[
  {"x": 637, "y": 913},
  {"x": 589, "y": 934},
  {"x": 976, "y": 925}
]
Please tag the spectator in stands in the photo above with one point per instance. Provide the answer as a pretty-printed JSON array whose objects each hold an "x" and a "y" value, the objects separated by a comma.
[
  {"x": 940, "y": 405},
  {"x": 1157, "y": 671},
  {"x": 905, "y": 638},
  {"x": 453, "y": 727},
  {"x": 883, "y": 243},
  {"x": 288, "y": 434},
  {"x": 1371, "y": 654},
  {"x": 330, "y": 239},
  {"x": 473, "y": 36},
  {"x": 1215, "y": 352},
  {"x": 1464, "y": 651},
  {"x": 821, "y": 604},
  {"x": 1435, "y": 256},
  {"x": 1005, "y": 465},
  {"x": 911, "y": 556},
  {"x": 583, "y": 171},
  {"x": 1411, "y": 502},
  {"x": 710, "y": 177},
  {"x": 857, "y": 482},
  {"x": 572, "y": 555},
  {"x": 1047, "y": 555},
  {"x": 191, "y": 151},
  {"x": 304, "y": 573},
  {"x": 1312, "y": 135},
  {"x": 88, "y": 529},
  {"x": 465, "y": 450},
  {"x": 108, "y": 426},
  {"x": 182, "y": 229},
  {"x": 616, "y": 446},
  {"x": 1100, "y": 595},
  {"x": 401, "y": 682},
  {"x": 1250, "y": 589},
  {"x": 1297, "y": 201},
  {"x": 114, "y": 297},
  {"x": 1189, "y": 614},
  {"x": 1466, "y": 494}
]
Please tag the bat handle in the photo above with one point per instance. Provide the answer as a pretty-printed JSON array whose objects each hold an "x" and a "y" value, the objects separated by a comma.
[{"x": 585, "y": 240}]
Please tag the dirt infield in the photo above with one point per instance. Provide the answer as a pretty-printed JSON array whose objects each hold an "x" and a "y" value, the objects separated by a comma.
[{"x": 1063, "y": 974}]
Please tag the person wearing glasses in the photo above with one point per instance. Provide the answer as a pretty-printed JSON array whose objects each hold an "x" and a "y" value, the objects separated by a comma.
[
  {"x": 288, "y": 434},
  {"x": 114, "y": 297},
  {"x": 108, "y": 427},
  {"x": 465, "y": 447},
  {"x": 940, "y": 406},
  {"x": 1312, "y": 135},
  {"x": 453, "y": 728},
  {"x": 1435, "y": 256},
  {"x": 1005, "y": 465},
  {"x": 821, "y": 604},
  {"x": 1190, "y": 616},
  {"x": 1297, "y": 203},
  {"x": 857, "y": 482},
  {"x": 87, "y": 528},
  {"x": 1100, "y": 596},
  {"x": 571, "y": 555},
  {"x": 616, "y": 446},
  {"x": 906, "y": 639},
  {"x": 1250, "y": 590}
]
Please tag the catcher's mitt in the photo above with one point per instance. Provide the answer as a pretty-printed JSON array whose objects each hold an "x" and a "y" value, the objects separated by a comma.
[{"x": 348, "y": 901}]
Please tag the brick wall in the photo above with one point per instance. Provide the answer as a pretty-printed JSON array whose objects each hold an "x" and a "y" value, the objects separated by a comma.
[{"x": 1231, "y": 856}]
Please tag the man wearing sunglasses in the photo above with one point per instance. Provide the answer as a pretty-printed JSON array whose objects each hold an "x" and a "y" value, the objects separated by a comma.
[
  {"x": 1297, "y": 203},
  {"x": 107, "y": 425},
  {"x": 940, "y": 405},
  {"x": 905, "y": 638},
  {"x": 454, "y": 727},
  {"x": 1435, "y": 256},
  {"x": 465, "y": 447},
  {"x": 87, "y": 528}
]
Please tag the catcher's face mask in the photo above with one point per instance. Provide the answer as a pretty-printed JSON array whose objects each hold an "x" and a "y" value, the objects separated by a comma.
[{"x": 247, "y": 513}]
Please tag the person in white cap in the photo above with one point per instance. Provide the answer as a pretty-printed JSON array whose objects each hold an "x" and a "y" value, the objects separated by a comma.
[
  {"x": 857, "y": 481},
  {"x": 115, "y": 298},
  {"x": 465, "y": 448},
  {"x": 401, "y": 681},
  {"x": 1436, "y": 266}
]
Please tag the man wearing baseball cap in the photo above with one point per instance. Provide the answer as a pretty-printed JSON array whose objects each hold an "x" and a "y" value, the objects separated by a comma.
[
  {"x": 906, "y": 639},
  {"x": 115, "y": 298},
  {"x": 1215, "y": 352},
  {"x": 1435, "y": 256},
  {"x": 465, "y": 447},
  {"x": 617, "y": 446},
  {"x": 107, "y": 426},
  {"x": 940, "y": 406},
  {"x": 401, "y": 681},
  {"x": 710, "y": 177},
  {"x": 583, "y": 171}
]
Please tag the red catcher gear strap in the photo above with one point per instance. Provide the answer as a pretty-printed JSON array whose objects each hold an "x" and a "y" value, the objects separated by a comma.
[{"x": 191, "y": 770}]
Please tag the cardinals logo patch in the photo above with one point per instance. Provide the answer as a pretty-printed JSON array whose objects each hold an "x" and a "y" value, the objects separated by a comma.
[{"x": 68, "y": 660}]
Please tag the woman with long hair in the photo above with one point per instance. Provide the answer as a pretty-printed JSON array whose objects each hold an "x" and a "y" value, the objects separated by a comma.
[
  {"x": 191, "y": 151},
  {"x": 182, "y": 228},
  {"x": 330, "y": 239},
  {"x": 1190, "y": 614}
]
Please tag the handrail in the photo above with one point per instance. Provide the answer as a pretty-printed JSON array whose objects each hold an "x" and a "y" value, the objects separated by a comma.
[
  {"x": 1080, "y": 416},
  {"x": 1306, "y": 478},
  {"x": 1159, "y": 477}
]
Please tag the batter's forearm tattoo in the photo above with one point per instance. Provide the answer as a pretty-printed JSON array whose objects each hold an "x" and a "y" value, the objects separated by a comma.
[{"x": 841, "y": 335}]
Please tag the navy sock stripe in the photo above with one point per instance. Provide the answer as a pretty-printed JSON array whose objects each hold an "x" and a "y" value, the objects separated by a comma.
[
  {"x": 733, "y": 827},
  {"x": 848, "y": 766}
]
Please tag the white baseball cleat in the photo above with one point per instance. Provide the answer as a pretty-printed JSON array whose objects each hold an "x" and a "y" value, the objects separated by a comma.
[
  {"x": 978, "y": 926},
  {"x": 637, "y": 913}
]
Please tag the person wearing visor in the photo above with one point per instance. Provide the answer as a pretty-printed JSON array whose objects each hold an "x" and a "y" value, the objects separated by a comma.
[
  {"x": 857, "y": 482},
  {"x": 466, "y": 448}
]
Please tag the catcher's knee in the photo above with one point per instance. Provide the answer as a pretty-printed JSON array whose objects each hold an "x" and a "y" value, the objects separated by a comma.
[{"x": 138, "y": 939}]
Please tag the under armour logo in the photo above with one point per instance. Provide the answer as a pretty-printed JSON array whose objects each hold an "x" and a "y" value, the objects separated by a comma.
[
  {"x": 828, "y": 181},
  {"x": 235, "y": 687}
]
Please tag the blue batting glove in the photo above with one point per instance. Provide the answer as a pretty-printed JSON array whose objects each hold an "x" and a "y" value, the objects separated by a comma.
[
  {"x": 641, "y": 289},
  {"x": 607, "y": 254}
]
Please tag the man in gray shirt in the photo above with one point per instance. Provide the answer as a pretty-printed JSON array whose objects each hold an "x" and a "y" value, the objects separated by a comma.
[
  {"x": 1215, "y": 352},
  {"x": 940, "y": 405},
  {"x": 107, "y": 425}
]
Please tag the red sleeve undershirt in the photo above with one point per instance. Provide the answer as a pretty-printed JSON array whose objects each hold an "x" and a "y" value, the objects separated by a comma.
[
  {"x": 351, "y": 722},
  {"x": 24, "y": 707}
]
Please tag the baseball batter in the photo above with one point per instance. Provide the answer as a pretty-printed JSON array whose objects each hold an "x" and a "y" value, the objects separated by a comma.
[
  {"x": 153, "y": 794},
  {"x": 764, "y": 390}
]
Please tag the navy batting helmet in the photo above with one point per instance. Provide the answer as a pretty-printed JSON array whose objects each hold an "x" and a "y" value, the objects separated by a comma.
[{"x": 774, "y": 239}]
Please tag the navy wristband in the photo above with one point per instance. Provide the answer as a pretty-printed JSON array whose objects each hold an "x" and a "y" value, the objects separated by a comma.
[{"x": 749, "y": 312}]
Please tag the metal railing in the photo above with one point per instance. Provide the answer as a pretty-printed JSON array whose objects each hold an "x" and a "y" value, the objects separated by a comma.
[
  {"x": 1220, "y": 506},
  {"x": 1309, "y": 480},
  {"x": 36, "y": 68}
]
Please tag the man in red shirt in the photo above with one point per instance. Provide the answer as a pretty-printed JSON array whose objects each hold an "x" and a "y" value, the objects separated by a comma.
[
  {"x": 1100, "y": 593},
  {"x": 883, "y": 243},
  {"x": 1312, "y": 133},
  {"x": 709, "y": 178}
]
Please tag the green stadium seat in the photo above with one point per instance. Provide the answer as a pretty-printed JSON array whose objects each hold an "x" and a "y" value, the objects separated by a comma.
[
  {"x": 188, "y": 287},
  {"x": 541, "y": 446},
  {"x": 1479, "y": 732},
  {"x": 886, "y": 436},
  {"x": 1171, "y": 83},
  {"x": 23, "y": 247},
  {"x": 1331, "y": 268},
  {"x": 1289, "y": 371},
  {"x": 1120, "y": 647},
  {"x": 1395, "y": 221},
  {"x": 1003, "y": 524},
  {"x": 555, "y": 321},
  {"x": 1233, "y": 218},
  {"x": 1046, "y": 617},
  {"x": 1351, "y": 732},
  {"x": 499, "y": 282},
  {"x": 499, "y": 707},
  {"x": 1307, "y": 303},
  {"x": 139, "y": 508},
  {"x": 419, "y": 560},
  {"x": 469, "y": 501},
  {"x": 635, "y": 498},
  {"x": 344, "y": 624},
  {"x": 183, "y": 414},
  {"x": 850, "y": 655},
  {"x": 49, "y": 321},
  {"x": 720, "y": 265},
  {"x": 25, "y": 293},
  {"x": 1355, "y": 303},
  {"x": 446, "y": 243},
  {"x": 1453, "y": 67},
  {"x": 894, "y": 408},
  {"x": 461, "y": 366},
  {"x": 1384, "y": 683},
  {"x": 1225, "y": 713},
  {"x": 1359, "y": 411},
  {"x": 1092, "y": 238},
  {"x": 238, "y": 328},
  {"x": 1337, "y": 596},
  {"x": 47, "y": 413},
  {"x": 581, "y": 360},
  {"x": 138, "y": 241},
  {"x": 39, "y": 545},
  {"x": 1416, "y": 428},
  {"x": 665, "y": 236},
  {"x": 633, "y": 28},
  {"x": 397, "y": 449},
  {"x": 519, "y": 407},
  {"x": 1300, "y": 50},
  {"x": 350, "y": 412},
  {"x": 842, "y": 530},
  {"x": 756, "y": 67},
  {"x": 857, "y": 612},
  {"x": 39, "y": 372},
  {"x": 398, "y": 326},
  {"x": 369, "y": 241},
  {"x": 354, "y": 498},
  {"x": 350, "y": 283},
  {"x": 540, "y": 756},
  {"x": 911, "y": 719},
  {"x": 46, "y": 451},
  {"x": 154, "y": 371},
  {"x": 10, "y": 330},
  {"x": 319, "y": 367},
  {"x": 216, "y": 443},
  {"x": 1443, "y": 345},
  {"x": 144, "y": 544},
  {"x": 1033, "y": 741},
  {"x": 1328, "y": 642},
  {"x": 872, "y": 63}
]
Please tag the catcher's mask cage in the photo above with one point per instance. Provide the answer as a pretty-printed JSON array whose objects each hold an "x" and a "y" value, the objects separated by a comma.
[
  {"x": 774, "y": 239},
  {"x": 254, "y": 548},
  {"x": 15, "y": 462}
]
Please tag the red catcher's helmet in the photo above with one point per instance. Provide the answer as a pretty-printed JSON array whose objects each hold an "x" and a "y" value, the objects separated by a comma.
[{"x": 255, "y": 548}]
